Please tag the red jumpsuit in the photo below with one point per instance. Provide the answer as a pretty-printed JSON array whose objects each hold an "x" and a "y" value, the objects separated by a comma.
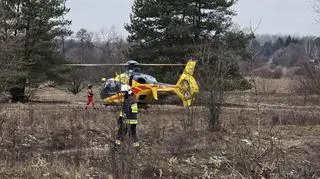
[{"x": 90, "y": 97}]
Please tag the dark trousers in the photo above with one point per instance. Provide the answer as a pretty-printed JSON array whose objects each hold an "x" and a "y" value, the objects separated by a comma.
[{"x": 123, "y": 129}]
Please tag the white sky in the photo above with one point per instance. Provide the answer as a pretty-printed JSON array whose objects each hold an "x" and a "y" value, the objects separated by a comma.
[{"x": 294, "y": 17}]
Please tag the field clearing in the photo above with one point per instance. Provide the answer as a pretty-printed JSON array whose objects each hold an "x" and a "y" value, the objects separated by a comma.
[{"x": 271, "y": 135}]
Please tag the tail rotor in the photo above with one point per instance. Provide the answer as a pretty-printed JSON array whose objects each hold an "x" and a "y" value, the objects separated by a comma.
[{"x": 187, "y": 84}]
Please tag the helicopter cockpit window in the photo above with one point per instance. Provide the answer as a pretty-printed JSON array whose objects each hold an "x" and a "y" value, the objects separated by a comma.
[
  {"x": 141, "y": 80},
  {"x": 150, "y": 79},
  {"x": 112, "y": 87}
]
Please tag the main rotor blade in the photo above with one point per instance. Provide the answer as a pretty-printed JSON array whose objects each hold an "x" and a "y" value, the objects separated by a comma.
[
  {"x": 147, "y": 64},
  {"x": 122, "y": 64},
  {"x": 94, "y": 65}
]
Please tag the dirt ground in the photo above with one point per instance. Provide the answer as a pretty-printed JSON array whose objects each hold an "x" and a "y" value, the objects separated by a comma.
[{"x": 268, "y": 133}]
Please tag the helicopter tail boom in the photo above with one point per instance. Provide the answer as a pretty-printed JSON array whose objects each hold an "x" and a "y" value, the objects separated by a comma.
[{"x": 187, "y": 85}]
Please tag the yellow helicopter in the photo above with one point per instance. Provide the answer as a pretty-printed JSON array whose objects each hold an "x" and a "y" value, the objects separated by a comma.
[{"x": 145, "y": 87}]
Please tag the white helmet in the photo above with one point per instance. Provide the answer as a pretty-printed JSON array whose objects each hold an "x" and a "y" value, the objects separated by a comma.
[
  {"x": 126, "y": 88},
  {"x": 103, "y": 79}
]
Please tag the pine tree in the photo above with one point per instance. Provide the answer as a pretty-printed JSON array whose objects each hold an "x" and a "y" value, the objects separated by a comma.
[
  {"x": 173, "y": 28},
  {"x": 278, "y": 44},
  {"x": 288, "y": 41}
]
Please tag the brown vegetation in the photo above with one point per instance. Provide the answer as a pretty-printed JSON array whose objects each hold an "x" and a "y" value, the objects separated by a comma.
[{"x": 274, "y": 139}]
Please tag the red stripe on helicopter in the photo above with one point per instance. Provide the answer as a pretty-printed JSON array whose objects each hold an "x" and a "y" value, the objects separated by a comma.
[
  {"x": 143, "y": 87},
  {"x": 135, "y": 90}
]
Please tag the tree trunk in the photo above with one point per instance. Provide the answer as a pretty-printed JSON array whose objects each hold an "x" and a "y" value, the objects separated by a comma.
[{"x": 213, "y": 112}]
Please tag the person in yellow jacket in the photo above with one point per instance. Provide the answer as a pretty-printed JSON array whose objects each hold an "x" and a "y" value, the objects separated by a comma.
[{"x": 128, "y": 118}]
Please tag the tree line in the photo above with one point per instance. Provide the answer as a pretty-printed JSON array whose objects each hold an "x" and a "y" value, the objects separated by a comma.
[{"x": 287, "y": 51}]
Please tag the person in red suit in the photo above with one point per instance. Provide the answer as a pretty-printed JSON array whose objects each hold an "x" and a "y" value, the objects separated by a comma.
[{"x": 90, "y": 96}]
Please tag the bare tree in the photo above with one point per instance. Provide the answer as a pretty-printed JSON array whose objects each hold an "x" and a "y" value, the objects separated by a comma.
[
  {"x": 214, "y": 77},
  {"x": 75, "y": 80},
  {"x": 311, "y": 49},
  {"x": 308, "y": 78},
  {"x": 85, "y": 44},
  {"x": 103, "y": 47},
  {"x": 112, "y": 48}
]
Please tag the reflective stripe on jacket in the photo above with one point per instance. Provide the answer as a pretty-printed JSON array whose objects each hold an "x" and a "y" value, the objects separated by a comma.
[
  {"x": 130, "y": 108},
  {"x": 131, "y": 121}
]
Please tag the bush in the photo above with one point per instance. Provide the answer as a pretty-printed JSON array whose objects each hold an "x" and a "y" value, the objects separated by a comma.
[
  {"x": 267, "y": 72},
  {"x": 308, "y": 80}
]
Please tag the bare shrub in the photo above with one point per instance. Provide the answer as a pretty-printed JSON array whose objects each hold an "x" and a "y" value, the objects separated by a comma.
[
  {"x": 178, "y": 143},
  {"x": 267, "y": 72},
  {"x": 309, "y": 80},
  {"x": 250, "y": 161},
  {"x": 256, "y": 153},
  {"x": 76, "y": 80},
  {"x": 278, "y": 73},
  {"x": 296, "y": 118},
  {"x": 215, "y": 67},
  {"x": 44, "y": 141},
  {"x": 263, "y": 85}
]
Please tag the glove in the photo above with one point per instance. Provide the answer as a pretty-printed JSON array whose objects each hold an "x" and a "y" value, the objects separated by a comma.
[{"x": 122, "y": 114}]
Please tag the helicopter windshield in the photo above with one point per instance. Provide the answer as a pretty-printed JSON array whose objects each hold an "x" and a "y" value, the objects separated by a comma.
[
  {"x": 150, "y": 79},
  {"x": 110, "y": 88}
]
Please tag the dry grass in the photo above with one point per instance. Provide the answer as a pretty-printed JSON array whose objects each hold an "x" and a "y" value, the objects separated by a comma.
[
  {"x": 273, "y": 86},
  {"x": 261, "y": 136}
]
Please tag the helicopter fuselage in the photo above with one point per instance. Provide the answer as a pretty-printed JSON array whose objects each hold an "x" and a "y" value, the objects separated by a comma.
[{"x": 146, "y": 88}]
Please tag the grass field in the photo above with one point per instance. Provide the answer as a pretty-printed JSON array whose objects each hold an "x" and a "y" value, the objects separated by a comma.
[{"x": 270, "y": 133}]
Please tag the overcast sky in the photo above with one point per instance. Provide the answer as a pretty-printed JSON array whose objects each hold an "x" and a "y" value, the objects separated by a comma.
[{"x": 277, "y": 16}]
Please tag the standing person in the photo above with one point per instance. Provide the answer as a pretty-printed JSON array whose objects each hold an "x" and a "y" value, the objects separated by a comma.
[
  {"x": 128, "y": 118},
  {"x": 90, "y": 96}
]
